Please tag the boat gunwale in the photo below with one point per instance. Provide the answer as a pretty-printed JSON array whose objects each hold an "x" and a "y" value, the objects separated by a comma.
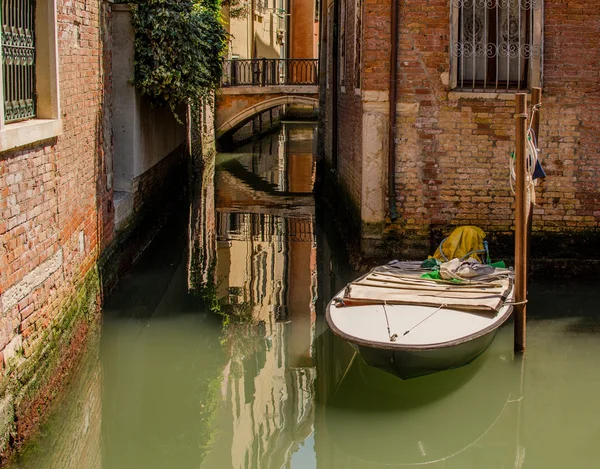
[{"x": 400, "y": 347}]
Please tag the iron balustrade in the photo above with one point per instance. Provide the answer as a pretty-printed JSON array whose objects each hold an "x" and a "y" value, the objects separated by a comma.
[
  {"x": 18, "y": 59},
  {"x": 270, "y": 72}
]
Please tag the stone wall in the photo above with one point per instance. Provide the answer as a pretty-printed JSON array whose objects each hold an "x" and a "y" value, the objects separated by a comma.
[{"x": 452, "y": 148}]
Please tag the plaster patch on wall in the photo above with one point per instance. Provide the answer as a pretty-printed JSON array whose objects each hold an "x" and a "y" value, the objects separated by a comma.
[
  {"x": 81, "y": 241},
  {"x": 33, "y": 279},
  {"x": 445, "y": 78},
  {"x": 12, "y": 351},
  {"x": 373, "y": 167}
]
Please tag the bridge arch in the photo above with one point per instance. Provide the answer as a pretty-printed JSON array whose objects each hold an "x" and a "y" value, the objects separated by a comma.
[{"x": 241, "y": 118}]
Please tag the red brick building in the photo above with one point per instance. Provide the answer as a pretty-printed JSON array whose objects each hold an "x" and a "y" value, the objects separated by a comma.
[
  {"x": 71, "y": 191},
  {"x": 458, "y": 65}
]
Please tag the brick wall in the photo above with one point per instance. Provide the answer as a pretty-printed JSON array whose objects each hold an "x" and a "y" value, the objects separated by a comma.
[
  {"x": 57, "y": 221},
  {"x": 349, "y": 105},
  {"x": 452, "y": 148},
  {"x": 50, "y": 225},
  {"x": 452, "y": 156}
]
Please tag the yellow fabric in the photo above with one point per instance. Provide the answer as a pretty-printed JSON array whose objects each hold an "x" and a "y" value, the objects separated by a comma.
[{"x": 461, "y": 242}]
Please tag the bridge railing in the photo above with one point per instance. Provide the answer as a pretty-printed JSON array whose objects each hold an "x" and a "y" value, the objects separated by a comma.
[{"x": 270, "y": 72}]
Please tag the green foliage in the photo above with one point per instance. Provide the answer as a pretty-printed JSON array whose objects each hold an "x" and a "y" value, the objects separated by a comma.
[{"x": 178, "y": 49}]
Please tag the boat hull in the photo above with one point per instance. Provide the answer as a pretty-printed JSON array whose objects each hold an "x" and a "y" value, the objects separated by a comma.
[
  {"x": 407, "y": 364},
  {"x": 437, "y": 342}
]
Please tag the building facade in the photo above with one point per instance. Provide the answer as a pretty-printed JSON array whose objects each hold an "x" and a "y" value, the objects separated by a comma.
[
  {"x": 458, "y": 65},
  {"x": 84, "y": 172},
  {"x": 272, "y": 29}
]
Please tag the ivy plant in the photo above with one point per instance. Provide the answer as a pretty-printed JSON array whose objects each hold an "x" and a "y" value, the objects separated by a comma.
[{"x": 179, "y": 45}]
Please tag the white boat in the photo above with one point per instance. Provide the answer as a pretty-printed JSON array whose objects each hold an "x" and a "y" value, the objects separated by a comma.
[{"x": 409, "y": 326}]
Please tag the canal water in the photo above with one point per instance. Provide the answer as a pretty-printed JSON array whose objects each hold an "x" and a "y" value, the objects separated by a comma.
[{"x": 214, "y": 354}]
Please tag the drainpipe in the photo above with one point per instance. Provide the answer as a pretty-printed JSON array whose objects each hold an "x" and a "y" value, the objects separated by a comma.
[
  {"x": 392, "y": 121},
  {"x": 288, "y": 25},
  {"x": 251, "y": 45},
  {"x": 334, "y": 86}
]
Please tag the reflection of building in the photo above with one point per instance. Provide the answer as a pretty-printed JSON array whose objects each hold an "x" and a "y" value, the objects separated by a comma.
[
  {"x": 266, "y": 279},
  {"x": 266, "y": 273}
]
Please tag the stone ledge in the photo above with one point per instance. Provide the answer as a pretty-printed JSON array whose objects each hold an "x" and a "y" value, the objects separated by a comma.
[
  {"x": 456, "y": 95},
  {"x": 285, "y": 89},
  {"x": 25, "y": 133},
  {"x": 123, "y": 204}
]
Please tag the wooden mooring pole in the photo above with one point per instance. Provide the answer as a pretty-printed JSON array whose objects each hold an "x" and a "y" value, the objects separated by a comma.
[
  {"x": 521, "y": 210},
  {"x": 536, "y": 101}
]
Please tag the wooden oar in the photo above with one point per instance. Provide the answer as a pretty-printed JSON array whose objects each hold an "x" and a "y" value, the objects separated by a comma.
[{"x": 349, "y": 302}]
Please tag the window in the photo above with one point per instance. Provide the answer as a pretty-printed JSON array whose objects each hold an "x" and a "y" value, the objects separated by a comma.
[
  {"x": 496, "y": 45},
  {"x": 29, "y": 108},
  {"x": 18, "y": 54}
]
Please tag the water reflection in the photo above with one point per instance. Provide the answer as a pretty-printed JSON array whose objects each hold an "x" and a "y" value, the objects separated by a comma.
[
  {"x": 264, "y": 384},
  {"x": 466, "y": 418},
  {"x": 266, "y": 284}
]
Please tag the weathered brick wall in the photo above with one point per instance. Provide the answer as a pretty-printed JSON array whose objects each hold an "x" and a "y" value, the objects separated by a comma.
[
  {"x": 157, "y": 186},
  {"x": 49, "y": 224},
  {"x": 376, "y": 45},
  {"x": 453, "y": 151},
  {"x": 325, "y": 74},
  {"x": 349, "y": 105},
  {"x": 452, "y": 148}
]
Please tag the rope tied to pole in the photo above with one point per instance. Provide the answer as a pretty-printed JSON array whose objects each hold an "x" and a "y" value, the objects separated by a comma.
[{"x": 532, "y": 155}]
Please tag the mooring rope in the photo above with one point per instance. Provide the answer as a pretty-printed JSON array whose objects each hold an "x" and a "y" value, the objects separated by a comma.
[
  {"x": 391, "y": 336},
  {"x": 531, "y": 160},
  {"x": 421, "y": 322}
]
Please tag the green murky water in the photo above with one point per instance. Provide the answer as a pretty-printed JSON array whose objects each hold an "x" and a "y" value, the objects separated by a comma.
[{"x": 172, "y": 385}]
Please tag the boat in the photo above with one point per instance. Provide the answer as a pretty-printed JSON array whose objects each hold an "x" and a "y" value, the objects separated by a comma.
[{"x": 412, "y": 326}]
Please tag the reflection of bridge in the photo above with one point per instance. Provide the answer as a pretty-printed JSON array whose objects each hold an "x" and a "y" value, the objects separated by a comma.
[
  {"x": 251, "y": 87},
  {"x": 241, "y": 198}
]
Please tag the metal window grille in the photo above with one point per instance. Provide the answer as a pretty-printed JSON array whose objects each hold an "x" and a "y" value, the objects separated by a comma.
[
  {"x": 496, "y": 44},
  {"x": 18, "y": 59}
]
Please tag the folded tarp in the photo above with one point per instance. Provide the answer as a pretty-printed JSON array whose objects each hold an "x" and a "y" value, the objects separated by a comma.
[{"x": 394, "y": 285}]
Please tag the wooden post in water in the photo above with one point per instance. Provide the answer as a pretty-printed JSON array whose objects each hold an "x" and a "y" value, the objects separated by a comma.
[{"x": 520, "y": 222}]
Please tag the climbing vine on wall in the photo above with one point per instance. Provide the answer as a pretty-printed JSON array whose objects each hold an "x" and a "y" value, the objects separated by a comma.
[{"x": 178, "y": 49}]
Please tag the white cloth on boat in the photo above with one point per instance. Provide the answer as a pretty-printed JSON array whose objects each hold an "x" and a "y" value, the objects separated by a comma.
[{"x": 466, "y": 270}]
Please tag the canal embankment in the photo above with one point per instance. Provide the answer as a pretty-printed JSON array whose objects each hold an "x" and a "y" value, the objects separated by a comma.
[{"x": 85, "y": 185}]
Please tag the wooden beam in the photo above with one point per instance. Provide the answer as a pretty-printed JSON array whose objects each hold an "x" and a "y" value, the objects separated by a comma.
[
  {"x": 536, "y": 101},
  {"x": 521, "y": 210}
]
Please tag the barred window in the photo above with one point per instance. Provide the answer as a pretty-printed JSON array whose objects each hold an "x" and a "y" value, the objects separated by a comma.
[
  {"x": 496, "y": 45},
  {"x": 18, "y": 59}
]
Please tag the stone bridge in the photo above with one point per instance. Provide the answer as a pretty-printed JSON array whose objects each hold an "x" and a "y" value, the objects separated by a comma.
[{"x": 251, "y": 87}]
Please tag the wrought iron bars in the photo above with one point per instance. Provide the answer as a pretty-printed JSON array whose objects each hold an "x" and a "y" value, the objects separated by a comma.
[
  {"x": 269, "y": 72},
  {"x": 494, "y": 47},
  {"x": 18, "y": 59}
]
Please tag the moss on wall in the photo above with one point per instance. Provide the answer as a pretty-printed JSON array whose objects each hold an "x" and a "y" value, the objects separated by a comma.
[{"x": 32, "y": 383}]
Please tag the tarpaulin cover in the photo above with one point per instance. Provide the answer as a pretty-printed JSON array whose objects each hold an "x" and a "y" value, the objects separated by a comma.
[
  {"x": 464, "y": 242},
  {"x": 399, "y": 283}
]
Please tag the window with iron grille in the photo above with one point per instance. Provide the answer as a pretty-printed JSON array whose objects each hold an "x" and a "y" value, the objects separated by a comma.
[
  {"x": 18, "y": 59},
  {"x": 496, "y": 45}
]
